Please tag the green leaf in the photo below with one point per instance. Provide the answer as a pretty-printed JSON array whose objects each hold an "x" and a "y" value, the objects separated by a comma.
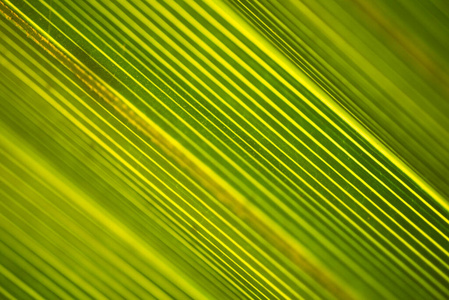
[{"x": 224, "y": 149}]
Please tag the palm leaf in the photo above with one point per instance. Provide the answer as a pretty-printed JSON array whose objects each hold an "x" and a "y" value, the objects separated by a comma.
[{"x": 224, "y": 150}]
